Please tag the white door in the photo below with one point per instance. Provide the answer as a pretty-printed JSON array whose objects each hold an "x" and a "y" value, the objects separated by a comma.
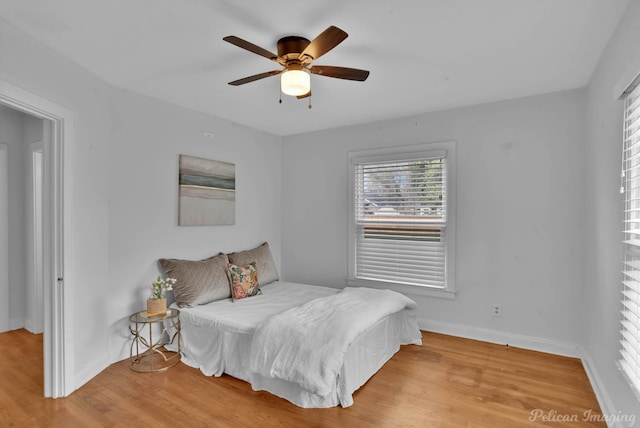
[
  {"x": 4, "y": 237},
  {"x": 35, "y": 284}
]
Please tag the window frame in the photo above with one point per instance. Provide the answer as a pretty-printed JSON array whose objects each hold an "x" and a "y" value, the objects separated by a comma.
[
  {"x": 630, "y": 306},
  {"x": 391, "y": 154}
]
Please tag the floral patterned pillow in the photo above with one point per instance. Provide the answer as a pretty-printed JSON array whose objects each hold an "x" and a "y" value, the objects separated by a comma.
[{"x": 244, "y": 281}]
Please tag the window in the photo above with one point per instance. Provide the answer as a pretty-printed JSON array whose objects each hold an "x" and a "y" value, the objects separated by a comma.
[
  {"x": 401, "y": 218},
  {"x": 630, "y": 329}
]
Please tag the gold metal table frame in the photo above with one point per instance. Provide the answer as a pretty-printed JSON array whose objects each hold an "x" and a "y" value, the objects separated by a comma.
[{"x": 154, "y": 357}]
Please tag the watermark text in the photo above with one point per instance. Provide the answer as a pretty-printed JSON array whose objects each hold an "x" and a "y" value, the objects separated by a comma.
[{"x": 586, "y": 416}]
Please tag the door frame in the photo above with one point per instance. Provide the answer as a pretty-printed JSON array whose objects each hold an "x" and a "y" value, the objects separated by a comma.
[{"x": 57, "y": 232}]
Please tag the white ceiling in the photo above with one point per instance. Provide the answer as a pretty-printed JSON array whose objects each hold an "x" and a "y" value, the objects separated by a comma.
[{"x": 423, "y": 55}]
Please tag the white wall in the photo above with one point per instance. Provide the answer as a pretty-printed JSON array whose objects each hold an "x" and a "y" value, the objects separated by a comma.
[
  {"x": 147, "y": 137},
  {"x": 520, "y": 218},
  {"x": 123, "y": 191},
  {"x": 30, "y": 66},
  {"x": 604, "y": 212},
  {"x": 12, "y": 134}
]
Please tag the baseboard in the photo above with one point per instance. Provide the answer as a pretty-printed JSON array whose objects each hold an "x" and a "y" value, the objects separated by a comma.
[
  {"x": 30, "y": 326},
  {"x": 98, "y": 365},
  {"x": 604, "y": 400},
  {"x": 16, "y": 323},
  {"x": 122, "y": 353},
  {"x": 26, "y": 323},
  {"x": 90, "y": 371},
  {"x": 502, "y": 338}
]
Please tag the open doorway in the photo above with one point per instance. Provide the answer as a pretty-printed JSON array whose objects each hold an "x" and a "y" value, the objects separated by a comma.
[
  {"x": 23, "y": 138},
  {"x": 55, "y": 231},
  {"x": 22, "y": 141}
]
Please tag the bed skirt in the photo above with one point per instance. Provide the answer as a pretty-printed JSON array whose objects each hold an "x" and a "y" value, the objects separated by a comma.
[{"x": 215, "y": 352}]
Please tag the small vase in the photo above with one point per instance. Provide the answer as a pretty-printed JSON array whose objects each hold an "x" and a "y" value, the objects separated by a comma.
[{"x": 156, "y": 306}]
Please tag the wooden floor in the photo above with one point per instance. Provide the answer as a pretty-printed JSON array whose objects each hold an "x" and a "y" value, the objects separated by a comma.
[{"x": 447, "y": 382}]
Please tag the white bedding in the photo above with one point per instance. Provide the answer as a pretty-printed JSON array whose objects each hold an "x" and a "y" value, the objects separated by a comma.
[
  {"x": 217, "y": 339},
  {"x": 306, "y": 344}
]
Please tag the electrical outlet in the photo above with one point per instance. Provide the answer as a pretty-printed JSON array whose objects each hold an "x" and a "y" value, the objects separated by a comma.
[{"x": 497, "y": 311}]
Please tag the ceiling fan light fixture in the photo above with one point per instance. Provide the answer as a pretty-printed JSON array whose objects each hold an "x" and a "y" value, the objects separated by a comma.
[{"x": 295, "y": 82}]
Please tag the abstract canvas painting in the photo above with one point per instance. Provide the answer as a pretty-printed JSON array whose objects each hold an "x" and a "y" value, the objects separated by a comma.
[{"x": 207, "y": 192}]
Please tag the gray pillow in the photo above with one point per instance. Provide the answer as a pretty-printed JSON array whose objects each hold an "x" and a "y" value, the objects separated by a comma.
[
  {"x": 198, "y": 281},
  {"x": 265, "y": 265}
]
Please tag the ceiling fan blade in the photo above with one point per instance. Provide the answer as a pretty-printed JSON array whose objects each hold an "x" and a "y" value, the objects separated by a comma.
[
  {"x": 250, "y": 47},
  {"x": 327, "y": 40},
  {"x": 340, "y": 72},
  {"x": 255, "y": 77},
  {"x": 307, "y": 95}
]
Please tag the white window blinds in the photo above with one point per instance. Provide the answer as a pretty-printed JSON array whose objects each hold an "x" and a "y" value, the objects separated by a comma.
[
  {"x": 630, "y": 332},
  {"x": 401, "y": 220}
]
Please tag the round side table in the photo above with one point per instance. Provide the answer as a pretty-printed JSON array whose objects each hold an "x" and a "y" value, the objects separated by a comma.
[{"x": 150, "y": 355}]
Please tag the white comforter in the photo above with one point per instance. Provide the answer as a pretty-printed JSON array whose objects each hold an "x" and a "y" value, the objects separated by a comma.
[{"x": 307, "y": 344}]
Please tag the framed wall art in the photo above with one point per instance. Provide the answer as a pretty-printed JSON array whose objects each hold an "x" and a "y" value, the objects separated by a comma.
[{"x": 207, "y": 192}]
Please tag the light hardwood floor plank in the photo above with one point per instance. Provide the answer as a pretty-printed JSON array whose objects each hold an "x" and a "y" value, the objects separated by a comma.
[{"x": 447, "y": 382}]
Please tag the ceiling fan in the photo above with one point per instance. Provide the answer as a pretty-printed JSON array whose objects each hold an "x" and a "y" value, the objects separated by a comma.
[{"x": 295, "y": 55}]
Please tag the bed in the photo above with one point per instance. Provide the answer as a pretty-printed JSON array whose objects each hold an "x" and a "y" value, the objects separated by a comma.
[
  {"x": 217, "y": 338},
  {"x": 313, "y": 346}
]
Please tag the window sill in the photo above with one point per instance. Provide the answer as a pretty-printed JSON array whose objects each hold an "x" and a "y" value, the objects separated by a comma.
[{"x": 416, "y": 290}]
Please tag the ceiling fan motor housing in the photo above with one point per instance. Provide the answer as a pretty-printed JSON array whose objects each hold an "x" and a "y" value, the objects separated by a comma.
[{"x": 291, "y": 47}]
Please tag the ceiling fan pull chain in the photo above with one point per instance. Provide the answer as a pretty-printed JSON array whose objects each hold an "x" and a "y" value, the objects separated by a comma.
[{"x": 309, "y": 101}]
